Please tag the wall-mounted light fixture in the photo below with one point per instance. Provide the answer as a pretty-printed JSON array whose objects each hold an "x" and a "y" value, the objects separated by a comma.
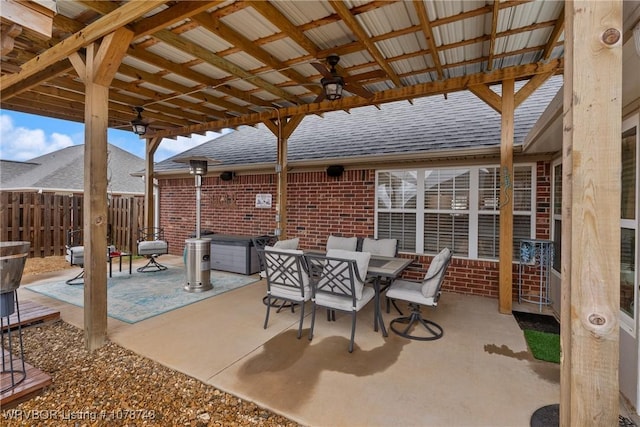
[
  {"x": 227, "y": 175},
  {"x": 335, "y": 170},
  {"x": 138, "y": 125}
]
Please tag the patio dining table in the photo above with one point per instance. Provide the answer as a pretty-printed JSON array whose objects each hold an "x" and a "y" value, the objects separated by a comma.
[{"x": 380, "y": 267}]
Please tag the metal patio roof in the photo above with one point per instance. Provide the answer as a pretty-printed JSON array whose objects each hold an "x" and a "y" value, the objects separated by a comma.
[{"x": 197, "y": 66}]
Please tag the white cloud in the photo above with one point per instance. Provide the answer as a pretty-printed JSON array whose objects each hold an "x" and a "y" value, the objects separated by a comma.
[
  {"x": 171, "y": 147},
  {"x": 20, "y": 143}
]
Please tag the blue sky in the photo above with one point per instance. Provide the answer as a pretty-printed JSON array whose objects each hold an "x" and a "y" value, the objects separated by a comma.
[{"x": 26, "y": 136}]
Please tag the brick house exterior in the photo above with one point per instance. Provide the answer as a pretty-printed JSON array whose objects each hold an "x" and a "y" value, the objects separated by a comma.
[
  {"x": 431, "y": 133},
  {"x": 320, "y": 205}
]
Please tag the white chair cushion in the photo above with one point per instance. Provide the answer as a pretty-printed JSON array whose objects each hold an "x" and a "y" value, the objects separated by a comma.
[
  {"x": 409, "y": 291},
  {"x": 293, "y": 266},
  {"x": 383, "y": 247},
  {"x": 346, "y": 243},
  {"x": 75, "y": 255},
  {"x": 345, "y": 303},
  {"x": 287, "y": 244},
  {"x": 362, "y": 263},
  {"x": 432, "y": 279},
  {"x": 152, "y": 247},
  {"x": 292, "y": 294}
]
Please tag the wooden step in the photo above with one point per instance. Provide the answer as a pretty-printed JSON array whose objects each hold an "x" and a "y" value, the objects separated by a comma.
[
  {"x": 31, "y": 313},
  {"x": 34, "y": 383}
]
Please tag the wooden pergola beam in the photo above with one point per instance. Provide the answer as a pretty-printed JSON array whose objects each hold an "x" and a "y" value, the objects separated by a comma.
[
  {"x": 349, "y": 19},
  {"x": 176, "y": 13},
  {"x": 494, "y": 30},
  {"x": 219, "y": 62},
  {"x": 427, "y": 29},
  {"x": 391, "y": 95},
  {"x": 92, "y": 32},
  {"x": 29, "y": 15},
  {"x": 218, "y": 27},
  {"x": 555, "y": 35},
  {"x": 287, "y": 29}
]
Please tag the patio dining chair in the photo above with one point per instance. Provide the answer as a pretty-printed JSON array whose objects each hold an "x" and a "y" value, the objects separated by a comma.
[
  {"x": 75, "y": 255},
  {"x": 287, "y": 280},
  {"x": 382, "y": 247},
  {"x": 338, "y": 284},
  {"x": 151, "y": 244},
  {"x": 345, "y": 243},
  {"x": 416, "y": 294},
  {"x": 260, "y": 242}
]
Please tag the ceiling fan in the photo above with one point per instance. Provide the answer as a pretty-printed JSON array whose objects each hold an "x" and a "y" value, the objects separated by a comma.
[
  {"x": 138, "y": 125},
  {"x": 333, "y": 82}
]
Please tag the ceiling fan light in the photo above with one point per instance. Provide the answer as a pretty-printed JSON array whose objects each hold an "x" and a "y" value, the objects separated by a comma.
[
  {"x": 332, "y": 87},
  {"x": 138, "y": 125}
]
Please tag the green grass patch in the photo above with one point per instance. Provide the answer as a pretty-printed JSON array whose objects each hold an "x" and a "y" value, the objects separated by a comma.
[{"x": 543, "y": 345}]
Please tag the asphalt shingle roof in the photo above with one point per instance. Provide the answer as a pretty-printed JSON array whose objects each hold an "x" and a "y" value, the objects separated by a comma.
[
  {"x": 64, "y": 170},
  {"x": 462, "y": 121},
  {"x": 11, "y": 168}
]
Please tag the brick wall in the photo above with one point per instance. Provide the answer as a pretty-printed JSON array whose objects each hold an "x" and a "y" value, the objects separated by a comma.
[{"x": 319, "y": 205}]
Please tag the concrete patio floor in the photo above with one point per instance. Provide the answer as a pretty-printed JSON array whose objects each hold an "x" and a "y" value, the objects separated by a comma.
[{"x": 479, "y": 374}]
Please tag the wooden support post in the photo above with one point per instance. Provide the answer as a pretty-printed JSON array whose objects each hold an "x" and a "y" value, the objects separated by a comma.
[
  {"x": 506, "y": 198},
  {"x": 97, "y": 69},
  {"x": 281, "y": 196},
  {"x": 283, "y": 129},
  {"x": 149, "y": 205},
  {"x": 95, "y": 215},
  {"x": 589, "y": 388},
  {"x": 505, "y": 105}
]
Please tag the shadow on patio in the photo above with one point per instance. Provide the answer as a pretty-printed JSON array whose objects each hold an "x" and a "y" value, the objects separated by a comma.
[{"x": 480, "y": 373}]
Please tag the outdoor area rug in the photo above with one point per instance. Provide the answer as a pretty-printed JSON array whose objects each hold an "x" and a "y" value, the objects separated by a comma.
[{"x": 138, "y": 296}]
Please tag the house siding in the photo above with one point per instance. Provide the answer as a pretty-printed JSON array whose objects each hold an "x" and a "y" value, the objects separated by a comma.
[{"x": 317, "y": 206}]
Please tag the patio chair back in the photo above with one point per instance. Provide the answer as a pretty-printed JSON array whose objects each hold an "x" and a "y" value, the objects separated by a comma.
[
  {"x": 75, "y": 247},
  {"x": 338, "y": 284},
  {"x": 287, "y": 279},
  {"x": 260, "y": 242}
]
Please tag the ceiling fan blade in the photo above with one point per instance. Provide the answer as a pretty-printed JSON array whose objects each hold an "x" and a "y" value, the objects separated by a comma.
[
  {"x": 322, "y": 69},
  {"x": 358, "y": 90},
  {"x": 370, "y": 75}
]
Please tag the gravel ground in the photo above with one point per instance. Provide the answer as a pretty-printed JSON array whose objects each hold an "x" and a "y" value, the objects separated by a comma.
[{"x": 114, "y": 386}]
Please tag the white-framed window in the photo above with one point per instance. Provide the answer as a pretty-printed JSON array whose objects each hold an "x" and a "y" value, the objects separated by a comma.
[
  {"x": 454, "y": 207},
  {"x": 396, "y": 193},
  {"x": 629, "y": 225}
]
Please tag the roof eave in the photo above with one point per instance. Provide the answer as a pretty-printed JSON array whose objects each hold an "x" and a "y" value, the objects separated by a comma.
[
  {"x": 552, "y": 113},
  {"x": 368, "y": 161}
]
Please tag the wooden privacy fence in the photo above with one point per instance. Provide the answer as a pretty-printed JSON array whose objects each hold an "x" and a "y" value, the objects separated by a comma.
[{"x": 45, "y": 218}]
